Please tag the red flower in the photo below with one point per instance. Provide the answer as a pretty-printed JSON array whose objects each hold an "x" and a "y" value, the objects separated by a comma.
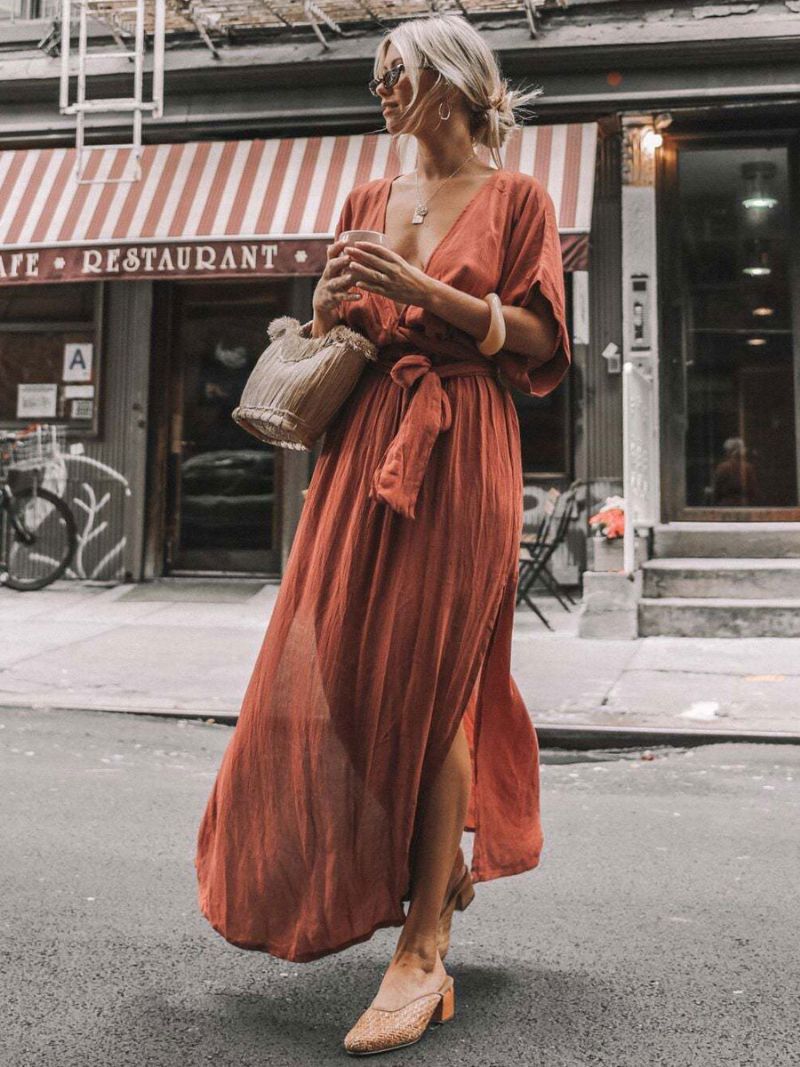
[{"x": 611, "y": 521}]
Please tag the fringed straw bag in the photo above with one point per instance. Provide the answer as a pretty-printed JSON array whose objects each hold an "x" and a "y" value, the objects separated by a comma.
[{"x": 300, "y": 382}]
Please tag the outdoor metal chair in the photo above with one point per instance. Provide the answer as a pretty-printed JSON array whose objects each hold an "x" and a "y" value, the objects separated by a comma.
[{"x": 558, "y": 510}]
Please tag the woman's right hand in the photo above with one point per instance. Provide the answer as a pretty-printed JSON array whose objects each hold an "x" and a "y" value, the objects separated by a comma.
[{"x": 332, "y": 289}]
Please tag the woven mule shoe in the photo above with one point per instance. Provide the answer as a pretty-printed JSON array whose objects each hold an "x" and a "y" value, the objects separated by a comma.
[
  {"x": 460, "y": 896},
  {"x": 379, "y": 1029}
]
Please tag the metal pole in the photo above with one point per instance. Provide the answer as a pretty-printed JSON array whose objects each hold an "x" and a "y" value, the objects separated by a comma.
[
  {"x": 138, "y": 54},
  {"x": 66, "y": 23},
  {"x": 80, "y": 99},
  {"x": 158, "y": 59},
  {"x": 628, "y": 544}
]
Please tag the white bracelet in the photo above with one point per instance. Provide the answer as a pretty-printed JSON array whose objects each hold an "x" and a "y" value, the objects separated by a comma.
[{"x": 496, "y": 336}]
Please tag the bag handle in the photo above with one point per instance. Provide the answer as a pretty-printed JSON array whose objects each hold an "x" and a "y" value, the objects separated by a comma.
[{"x": 298, "y": 343}]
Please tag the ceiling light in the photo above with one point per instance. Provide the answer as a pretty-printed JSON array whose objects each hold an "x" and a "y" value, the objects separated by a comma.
[
  {"x": 763, "y": 312},
  {"x": 758, "y": 178},
  {"x": 756, "y": 342},
  {"x": 757, "y": 263}
]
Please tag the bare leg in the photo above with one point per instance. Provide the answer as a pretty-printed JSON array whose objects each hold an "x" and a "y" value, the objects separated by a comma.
[{"x": 416, "y": 968}]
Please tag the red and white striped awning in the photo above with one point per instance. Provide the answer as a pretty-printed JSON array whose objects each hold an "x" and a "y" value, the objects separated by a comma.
[{"x": 227, "y": 208}]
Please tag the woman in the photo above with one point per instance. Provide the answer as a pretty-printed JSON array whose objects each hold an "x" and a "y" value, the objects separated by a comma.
[{"x": 381, "y": 719}]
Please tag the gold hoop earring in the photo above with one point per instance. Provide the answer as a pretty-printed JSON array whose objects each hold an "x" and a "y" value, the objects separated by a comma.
[{"x": 444, "y": 118}]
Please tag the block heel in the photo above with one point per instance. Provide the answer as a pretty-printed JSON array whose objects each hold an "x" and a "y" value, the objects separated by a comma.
[{"x": 447, "y": 1005}]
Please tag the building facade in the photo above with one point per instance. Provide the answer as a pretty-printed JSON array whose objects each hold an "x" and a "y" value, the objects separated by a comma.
[{"x": 667, "y": 137}]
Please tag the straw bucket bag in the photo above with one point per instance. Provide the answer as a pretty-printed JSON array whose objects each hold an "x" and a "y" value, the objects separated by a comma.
[{"x": 300, "y": 382}]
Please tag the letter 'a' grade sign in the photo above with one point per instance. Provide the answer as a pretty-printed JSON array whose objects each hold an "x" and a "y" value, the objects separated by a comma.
[
  {"x": 77, "y": 362},
  {"x": 77, "y": 400}
]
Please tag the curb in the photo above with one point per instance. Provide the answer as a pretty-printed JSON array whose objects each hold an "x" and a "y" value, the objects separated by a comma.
[{"x": 574, "y": 736}]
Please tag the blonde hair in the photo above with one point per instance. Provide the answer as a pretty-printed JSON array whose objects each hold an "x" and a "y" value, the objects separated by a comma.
[{"x": 462, "y": 59}]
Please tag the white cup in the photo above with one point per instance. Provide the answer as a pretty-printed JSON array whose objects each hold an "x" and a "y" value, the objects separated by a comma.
[{"x": 350, "y": 236}]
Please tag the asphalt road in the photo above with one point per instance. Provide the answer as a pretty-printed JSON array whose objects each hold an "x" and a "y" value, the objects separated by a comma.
[{"x": 660, "y": 928}]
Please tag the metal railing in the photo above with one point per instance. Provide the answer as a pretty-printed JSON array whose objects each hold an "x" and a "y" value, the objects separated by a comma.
[
  {"x": 639, "y": 452},
  {"x": 126, "y": 20}
]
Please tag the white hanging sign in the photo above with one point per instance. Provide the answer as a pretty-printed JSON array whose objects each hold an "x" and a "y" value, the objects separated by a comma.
[
  {"x": 580, "y": 307},
  {"x": 75, "y": 392}
]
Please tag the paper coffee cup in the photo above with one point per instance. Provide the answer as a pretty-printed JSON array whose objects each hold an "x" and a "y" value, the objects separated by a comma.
[{"x": 350, "y": 236}]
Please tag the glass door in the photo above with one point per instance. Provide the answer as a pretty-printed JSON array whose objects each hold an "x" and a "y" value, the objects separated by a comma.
[
  {"x": 730, "y": 381},
  {"x": 224, "y": 514}
]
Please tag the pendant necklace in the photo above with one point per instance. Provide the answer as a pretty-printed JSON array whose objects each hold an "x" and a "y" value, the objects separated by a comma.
[{"x": 421, "y": 210}]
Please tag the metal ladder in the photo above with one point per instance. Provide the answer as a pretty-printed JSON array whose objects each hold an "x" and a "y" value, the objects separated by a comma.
[{"x": 123, "y": 18}]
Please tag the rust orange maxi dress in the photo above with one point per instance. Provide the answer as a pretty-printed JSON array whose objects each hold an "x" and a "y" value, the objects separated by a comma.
[{"x": 394, "y": 617}]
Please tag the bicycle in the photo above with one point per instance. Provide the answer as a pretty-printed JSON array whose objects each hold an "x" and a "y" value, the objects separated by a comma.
[{"x": 38, "y": 532}]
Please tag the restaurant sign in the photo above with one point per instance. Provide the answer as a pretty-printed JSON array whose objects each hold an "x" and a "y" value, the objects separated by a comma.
[{"x": 212, "y": 259}]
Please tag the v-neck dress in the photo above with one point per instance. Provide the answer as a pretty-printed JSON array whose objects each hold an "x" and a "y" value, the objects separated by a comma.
[{"x": 394, "y": 617}]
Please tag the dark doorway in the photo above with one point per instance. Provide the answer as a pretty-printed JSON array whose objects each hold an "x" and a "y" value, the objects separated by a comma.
[
  {"x": 223, "y": 513},
  {"x": 730, "y": 381}
]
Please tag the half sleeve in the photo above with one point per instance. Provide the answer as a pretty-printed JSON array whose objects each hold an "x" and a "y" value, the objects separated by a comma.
[
  {"x": 345, "y": 217},
  {"x": 532, "y": 265}
]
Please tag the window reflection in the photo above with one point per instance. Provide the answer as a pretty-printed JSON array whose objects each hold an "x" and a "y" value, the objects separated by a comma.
[
  {"x": 738, "y": 354},
  {"x": 226, "y": 478}
]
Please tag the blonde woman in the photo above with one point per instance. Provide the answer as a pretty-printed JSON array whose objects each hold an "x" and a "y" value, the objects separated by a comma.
[{"x": 381, "y": 719}]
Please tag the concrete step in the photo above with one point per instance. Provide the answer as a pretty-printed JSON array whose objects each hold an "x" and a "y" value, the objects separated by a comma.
[
  {"x": 741, "y": 578},
  {"x": 718, "y": 617},
  {"x": 780, "y": 540}
]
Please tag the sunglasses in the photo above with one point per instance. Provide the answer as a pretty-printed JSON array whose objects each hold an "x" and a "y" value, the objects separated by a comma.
[{"x": 390, "y": 78}]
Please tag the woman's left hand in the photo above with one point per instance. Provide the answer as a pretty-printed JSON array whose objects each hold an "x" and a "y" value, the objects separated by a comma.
[{"x": 382, "y": 271}]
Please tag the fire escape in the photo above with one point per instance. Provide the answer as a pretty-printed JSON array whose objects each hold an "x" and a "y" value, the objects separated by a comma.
[{"x": 139, "y": 28}]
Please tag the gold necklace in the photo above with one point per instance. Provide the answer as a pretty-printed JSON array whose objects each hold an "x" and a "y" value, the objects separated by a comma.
[{"x": 421, "y": 210}]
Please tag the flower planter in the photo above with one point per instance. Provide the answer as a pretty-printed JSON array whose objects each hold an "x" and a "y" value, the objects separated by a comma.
[
  {"x": 607, "y": 555},
  {"x": 604, "y": 555}
]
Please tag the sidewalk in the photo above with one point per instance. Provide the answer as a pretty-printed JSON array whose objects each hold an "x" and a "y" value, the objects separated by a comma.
[{"x": 186, "y": 647}]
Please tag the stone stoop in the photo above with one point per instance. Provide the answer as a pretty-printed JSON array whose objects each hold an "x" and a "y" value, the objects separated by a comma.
[
  {"x": 767, "y": 540},
  {"x": 722, "y": 580}
]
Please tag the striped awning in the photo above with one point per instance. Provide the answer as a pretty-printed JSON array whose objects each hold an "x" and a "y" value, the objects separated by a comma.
[{"x": 232, "y": 208}]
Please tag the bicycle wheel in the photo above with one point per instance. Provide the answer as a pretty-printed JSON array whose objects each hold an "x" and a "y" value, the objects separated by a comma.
[{"x": 39, "y": 539}]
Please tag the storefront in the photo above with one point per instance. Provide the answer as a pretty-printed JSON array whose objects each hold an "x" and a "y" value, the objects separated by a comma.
[
  {"x": 730, "y": 383},
  {"x": 134, "y": 311},
  {"x": 710, "y": 307}
]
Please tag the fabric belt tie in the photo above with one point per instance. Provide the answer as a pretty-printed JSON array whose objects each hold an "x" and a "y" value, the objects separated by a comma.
[{"x": 399, "y": 475}]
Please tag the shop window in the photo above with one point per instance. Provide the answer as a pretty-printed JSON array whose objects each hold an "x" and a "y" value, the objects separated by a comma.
[
  {"x": 545, "y": 423},
  {"x": 738, "y": 347},
  {"x": 49, "y": 356},
  {"x": 26, "y": 10},
  {"x": 544, "y": 431},
  {"x": 225, "y": 483}
]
